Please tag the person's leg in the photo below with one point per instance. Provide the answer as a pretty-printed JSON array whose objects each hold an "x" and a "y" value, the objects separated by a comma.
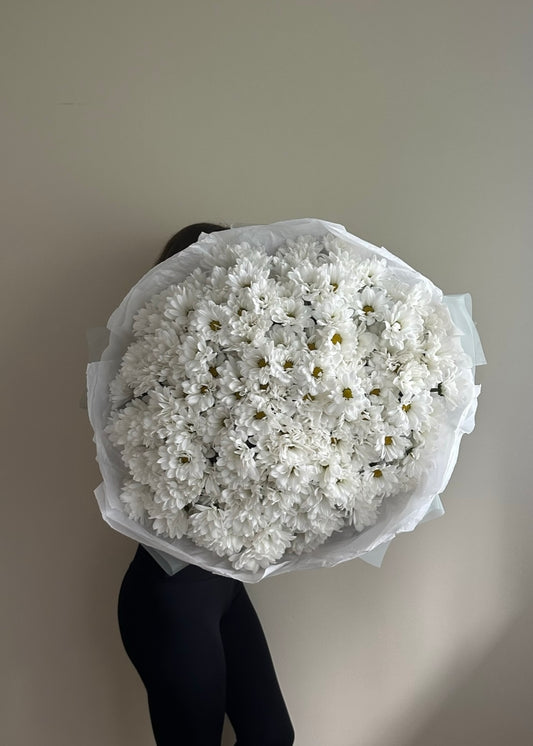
[
  {"x": 170, "y": 628},
  {"x": 254, "y": 701}
]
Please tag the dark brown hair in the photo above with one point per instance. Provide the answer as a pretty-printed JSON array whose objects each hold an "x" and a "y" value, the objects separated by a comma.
[{"x": 187, "y": 236}]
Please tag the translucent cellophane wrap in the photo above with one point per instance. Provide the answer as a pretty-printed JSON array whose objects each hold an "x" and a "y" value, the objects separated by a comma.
[{"x": 397, "y": 513}]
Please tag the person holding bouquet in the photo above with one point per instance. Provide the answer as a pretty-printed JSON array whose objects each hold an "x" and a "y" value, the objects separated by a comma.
[
  {"x": 272, "y": 398},
  {"x": 196, "y": 641}
]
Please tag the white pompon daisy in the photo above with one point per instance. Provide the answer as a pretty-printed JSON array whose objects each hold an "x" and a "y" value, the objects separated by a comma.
[
  {"x": 172, "y": 524},
  {"x": 136, "y": 498},
  {"x": 347, "y": 399},
  {"x": 269, "y": 545},
  {"x": 370, "y": 272},
  {"x": 179, "y": 304},
  {"x": 403, "y": 325},
  {"x": 369, "y": 305},
  {"x": 209, "y": 321}
]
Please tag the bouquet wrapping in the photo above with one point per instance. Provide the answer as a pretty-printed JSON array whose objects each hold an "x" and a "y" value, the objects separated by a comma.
[{"x": 280, "y": 397}]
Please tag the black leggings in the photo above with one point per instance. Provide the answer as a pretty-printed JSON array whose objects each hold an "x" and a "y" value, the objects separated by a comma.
[{"x": 198, "y": 646}]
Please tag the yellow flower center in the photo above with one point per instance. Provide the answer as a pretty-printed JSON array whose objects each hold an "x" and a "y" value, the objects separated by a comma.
[
  {"x": 213, "y": 371},
  {"x": 261, "y": 362},
  {"x": 406, "y": 407},
  {"x": 185, "y": 460},
  {"x": 204, "y": 389},
  {"x": 375, "y": 392},
  {"x": 311, "y": 346},
  {"x": 308, "y": 397},
  {"x": 259, "y": 415},
  {"x": 263, "y": 386},
  {"x": 215, "y": 325},
  {"x": 347, "y": 393},
  {"x": 287, "y": 364},
  {"x": 378, "y": 473},
  {"x": 334, "y": 285},
  {"x": 317, "y": 372},
  {"x": 388, "y": 440},
  {"x": 336, "y": 338},
  {"x": 367, "y": 310}
]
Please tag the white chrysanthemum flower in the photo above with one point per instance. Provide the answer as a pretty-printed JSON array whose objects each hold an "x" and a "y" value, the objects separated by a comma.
[
  {"x": 183, "y": 461},
  {"x": 259, "y": 363},
  {"x": 210, "y": 321},
  {"x": 142, "y": 464},
  {"x": 417, "y": 296},
  {"x": 254, "y": 415},
  {"x": 391, "y": 446},
  {"x": 346, "y": 399},
  {"x": 341, "y": 338},
  {"x": 410, "y": 413},
  {"x": 290, "y": 310},
  {"x": 172, "y": 524},
  {"x": 128, "y": 426},
  {"x": 237, "y": 458},
  {"x": 269, "y": 545},
  {"x": 403, "y": 325},
  {"x": 264, "y": 294},
  {"x": 215, "y": 422},
  {"x": 197, "y": 350},
  {"x": 370, "y": 305},
  {"x": 200, "y": 393},
  {"x": 208, "y": 529},
  {"x": 138, "y": 367},
  {"x": 454, "y": 386},
  {"x": 365, "y": 512},
  {"x": 341, "y": 484},
  {"x": 370, "y": 272},
  {"x": 231, "y": 386},
  {"x": 248, "y": 270},
  {"x": 341, "y": 280},
  {"x": 119, "y": 390},
  {"x": 412, "y": 465},
  {"x": 179, "y": 303},
  {"x": 412, "y": 378},
  {"x": 338, "y": 251},
  {"x": 296, "y": 251},
  {"x": 332, "y": 311},
  {"x": 313, "y": 372},
  {"x": 310, "y": 281},
  {"x": 321, "y": 520},
  {"x": 363, "y": 444},
  {"x": 136, "y": 498},
  {"x": 245, "y": 325}
]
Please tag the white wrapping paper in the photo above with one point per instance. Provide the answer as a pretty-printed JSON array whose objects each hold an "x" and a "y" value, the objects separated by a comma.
[{"x": 398, "y": 514}]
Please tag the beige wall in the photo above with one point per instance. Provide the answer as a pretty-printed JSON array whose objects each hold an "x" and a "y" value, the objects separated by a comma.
[{"x": 411, "y": 123}]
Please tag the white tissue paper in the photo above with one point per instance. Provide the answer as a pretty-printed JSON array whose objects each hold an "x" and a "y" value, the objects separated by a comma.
[{"x": 399, "y": 513}]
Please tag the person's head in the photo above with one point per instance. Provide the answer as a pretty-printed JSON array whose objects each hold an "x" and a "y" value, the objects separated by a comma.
[{"x": 187, "y": 236}]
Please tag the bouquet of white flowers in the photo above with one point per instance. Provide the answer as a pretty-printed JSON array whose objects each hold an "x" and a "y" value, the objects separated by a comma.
[{"x": 278, "y": 397}]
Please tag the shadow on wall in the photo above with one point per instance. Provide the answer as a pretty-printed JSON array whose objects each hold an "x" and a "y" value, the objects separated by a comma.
[{"x": 491, "y": 706}]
